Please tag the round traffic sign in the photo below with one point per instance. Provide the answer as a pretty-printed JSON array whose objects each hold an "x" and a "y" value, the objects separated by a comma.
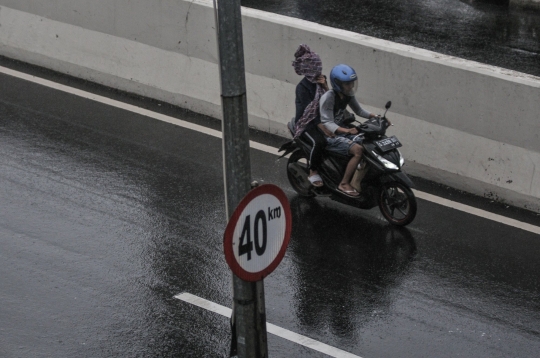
[{"x": 258, "y": 233}]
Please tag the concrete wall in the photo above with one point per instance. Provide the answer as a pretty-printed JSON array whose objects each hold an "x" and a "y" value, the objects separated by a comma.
[
  {"x": 527, "y": 4},
  {"x": 469, "y": 125}
]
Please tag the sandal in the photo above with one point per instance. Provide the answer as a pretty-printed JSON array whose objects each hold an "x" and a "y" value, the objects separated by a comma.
[
  {"x": 316, "y": 180},
  {"x": 350, "y": 193}
]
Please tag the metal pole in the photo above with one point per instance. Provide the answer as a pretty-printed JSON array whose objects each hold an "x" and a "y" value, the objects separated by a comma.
[{"x": 248, "y": 298}]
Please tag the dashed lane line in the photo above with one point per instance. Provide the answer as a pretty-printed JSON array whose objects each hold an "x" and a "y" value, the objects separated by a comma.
[
  {"x": 270, "y": 328},
  {"x": 259, "y": 146}
]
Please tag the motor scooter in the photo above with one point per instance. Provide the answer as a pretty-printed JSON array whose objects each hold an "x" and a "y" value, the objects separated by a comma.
[{"x": 379, "y": 179}]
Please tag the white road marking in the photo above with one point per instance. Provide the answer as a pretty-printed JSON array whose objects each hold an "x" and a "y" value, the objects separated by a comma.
[
  {"x": 478, "y": 212},
  {"x": 275, "y": 330},
  {"x": 127, "y": 107},
  {"x": 262, "y": 147}
]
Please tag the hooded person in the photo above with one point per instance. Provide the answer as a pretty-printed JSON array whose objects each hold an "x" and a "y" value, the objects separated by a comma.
[{"x": 307, "y": 119}]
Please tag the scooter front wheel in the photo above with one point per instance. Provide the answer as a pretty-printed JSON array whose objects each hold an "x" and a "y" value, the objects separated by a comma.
[
  {"x": 298, "y": 172},
  {"x": 397, "y": 203}
]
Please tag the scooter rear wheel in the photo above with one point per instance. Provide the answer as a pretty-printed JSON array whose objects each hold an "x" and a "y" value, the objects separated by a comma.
[
  {"x": 397, "y": 203},
  {"x": 297, "y": 173}
]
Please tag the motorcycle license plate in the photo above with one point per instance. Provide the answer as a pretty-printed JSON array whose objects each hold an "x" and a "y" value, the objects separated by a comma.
[{"x": 388, "y": 143}]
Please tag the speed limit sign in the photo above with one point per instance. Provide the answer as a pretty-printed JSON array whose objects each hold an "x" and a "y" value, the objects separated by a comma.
[{"x": 258, "y": 233}]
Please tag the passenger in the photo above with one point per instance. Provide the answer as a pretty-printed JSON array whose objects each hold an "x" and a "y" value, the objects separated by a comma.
[
  {"x": 343, "y": 140},
  {"x": 307, "y": 120}
]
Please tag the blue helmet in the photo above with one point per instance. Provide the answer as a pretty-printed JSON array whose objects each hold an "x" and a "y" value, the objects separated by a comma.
[{"x": 343, "y": 79}]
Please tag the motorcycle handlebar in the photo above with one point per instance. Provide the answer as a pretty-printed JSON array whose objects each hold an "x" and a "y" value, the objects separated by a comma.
[{"x": 383, "y": 123}]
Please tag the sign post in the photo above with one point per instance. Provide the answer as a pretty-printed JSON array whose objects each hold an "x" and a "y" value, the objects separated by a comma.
[
  {"x": 249, "y": 319},
  {"x": 255, "y": 242}
]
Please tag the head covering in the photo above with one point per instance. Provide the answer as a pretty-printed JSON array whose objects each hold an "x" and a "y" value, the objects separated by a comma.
[{"x": 308, "y": 64}]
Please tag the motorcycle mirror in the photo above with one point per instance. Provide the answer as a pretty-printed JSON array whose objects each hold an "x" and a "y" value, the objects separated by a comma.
[{"x": 388, "y": 104}]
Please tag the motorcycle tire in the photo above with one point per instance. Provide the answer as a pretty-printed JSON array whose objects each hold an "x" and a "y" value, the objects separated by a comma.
[
  {"x": 397, "y": 203},
  {"x": 297, "y": 167}
]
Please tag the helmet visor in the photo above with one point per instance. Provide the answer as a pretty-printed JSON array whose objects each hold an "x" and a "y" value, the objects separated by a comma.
[{"x": 348, "y": 88}]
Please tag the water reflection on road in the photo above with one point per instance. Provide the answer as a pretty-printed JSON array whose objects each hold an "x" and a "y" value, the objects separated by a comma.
[
  {"x": 357, "y": 266},
  {"x": 360, "y": 281},
  {"x": 490, "y": 33},
  {"x": 108, "y": 215}
]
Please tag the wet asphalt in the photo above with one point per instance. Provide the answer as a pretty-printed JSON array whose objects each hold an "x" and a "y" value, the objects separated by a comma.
[
  {"x": 105, "y": 215},
  {"x": 486, "y": 31}
]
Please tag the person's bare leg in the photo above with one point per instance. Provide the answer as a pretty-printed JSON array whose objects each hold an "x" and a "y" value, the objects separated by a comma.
[{"x": 356, "y": 151}]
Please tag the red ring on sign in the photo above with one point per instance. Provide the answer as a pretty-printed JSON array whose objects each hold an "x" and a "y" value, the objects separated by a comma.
[{"x": 229, "y": 232}]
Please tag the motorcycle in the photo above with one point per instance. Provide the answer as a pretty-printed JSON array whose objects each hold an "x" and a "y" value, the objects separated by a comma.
[{"x": 379, "y": 178}]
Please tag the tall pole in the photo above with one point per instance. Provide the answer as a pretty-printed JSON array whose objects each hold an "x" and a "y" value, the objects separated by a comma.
[{"x": 249, "y": 316}]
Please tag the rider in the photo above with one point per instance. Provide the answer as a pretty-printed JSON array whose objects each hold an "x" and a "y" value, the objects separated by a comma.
[
  {"x": 343, "y": 140},
  {"x": 307, "y": 120}
]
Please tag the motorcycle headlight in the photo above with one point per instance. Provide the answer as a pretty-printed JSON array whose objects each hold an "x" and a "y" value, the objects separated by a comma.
[{"x": 388, "y": 164}]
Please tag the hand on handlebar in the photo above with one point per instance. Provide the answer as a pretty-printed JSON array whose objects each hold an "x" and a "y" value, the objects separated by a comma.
[{"x": 353, "y": 131}]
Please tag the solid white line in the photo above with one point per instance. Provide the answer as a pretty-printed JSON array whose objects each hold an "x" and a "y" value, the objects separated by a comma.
[
  {"x": 262, "y": 147},
  {"x": 478, "y": 212},
  {"x": 127, "y": 107},
  {"x": 110, "y": 102},
  {"x": 278, "y": 331}
]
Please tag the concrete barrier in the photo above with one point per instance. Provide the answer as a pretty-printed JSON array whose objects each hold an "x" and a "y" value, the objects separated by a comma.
[
  {"x": 526, "y": 4},
  {"x": 471, "y": 126}
]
